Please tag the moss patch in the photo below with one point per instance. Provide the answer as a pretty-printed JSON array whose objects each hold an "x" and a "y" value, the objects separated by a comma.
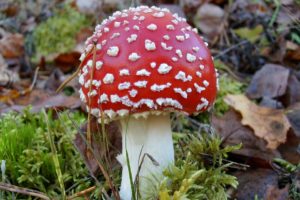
[
  {"x": 227, "y": 86},
  {"x": 25, "y": 147},
  {"x": 57, "y": 34}
]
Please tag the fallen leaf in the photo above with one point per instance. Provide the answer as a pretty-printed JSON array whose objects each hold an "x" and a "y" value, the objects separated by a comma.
[
  {"x": 39, "y": 99},
  {"x": 270, "y": 124},
  {"x": 114, "y": 139},
  {"x": 265, "y": 82},
  {"x": 251, "y": 34},
  {"x": 67, "y": 61},
  {"x": 270, "y": 103},
  {"x": 259, "y": 8},
  {"x": 291, "y": 45},
  {"x": 54, "y": 80},
  {"x": 276, "y": 50},
  {"x": 7, "y": 77},
  {"x": 233, "y": 132},
  {"x": 274, "y": 193},
  {"x": 293, "y": 115},
  {"x": 290, "y": 150},
  {"x": 292, "y": 95},
  {"x": 293, "y": 54},
  {"x": 255, "y": 182},
  {"x": 210, "y": 20},
  {"x": 9, "y": 9},
  {"x": 11, "y": 45},
  {"x": 288, "y": 14}
]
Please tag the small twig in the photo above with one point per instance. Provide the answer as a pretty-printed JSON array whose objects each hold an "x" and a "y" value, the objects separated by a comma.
[
  {"x": 89, "y": 134},
  {"x": 73, "y": 75},
  {"x": 233, "y": 165},
  {"x": 21, "y": 190},
  {"x": 231, "y": 48},
  {"x": 30, "y": 88},
  {"x": 81, "y": 193}
]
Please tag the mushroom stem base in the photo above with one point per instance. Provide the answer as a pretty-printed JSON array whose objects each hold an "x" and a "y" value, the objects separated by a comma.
[{"x": 141, "y": 137}]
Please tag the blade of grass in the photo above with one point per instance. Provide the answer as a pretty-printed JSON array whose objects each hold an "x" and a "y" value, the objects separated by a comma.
[
  {"x": 55, "y": 157},
  {"x": 276, "y": 12},
  {"x": 132, "y": 186},
  {"x": 130, "y": 177}
]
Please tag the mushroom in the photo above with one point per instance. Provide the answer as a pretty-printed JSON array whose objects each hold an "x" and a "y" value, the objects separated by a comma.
[{"x": 148, "y": 63}]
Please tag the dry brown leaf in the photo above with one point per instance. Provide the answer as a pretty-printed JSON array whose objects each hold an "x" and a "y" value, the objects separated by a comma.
[
  {"x": 274, "y": 193},
  {"x": 67, "y": 62},
  {"x": 11, "y": 45},
  {"x": 114, "y": 139},
  {"x": 254, "y": 150},
  {"x": 210, "y": 19},
  {"x": 270, "y": 124},
  {"x": 293, "y": 115},
  {"x": 263, "y": 84},
  {"x": 293, "y": 54},
  {"x": 292, "y": 95},
  {"x": 290, "y": 151},
  {"x": 38, "y": 99},
  {"x": 259, "y": 183},
  {"x": 7, "y": 77}
]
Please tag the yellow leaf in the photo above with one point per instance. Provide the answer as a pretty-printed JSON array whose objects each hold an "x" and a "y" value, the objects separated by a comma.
[
  {"x": 250, "y": 34},
  {"x": 270, "y": 124}
]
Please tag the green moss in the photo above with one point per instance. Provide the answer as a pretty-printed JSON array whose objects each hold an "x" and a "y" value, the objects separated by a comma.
[
  {"x": 199, "y": 174},
  {"x": 288, "y": 175},
  {"x": 25, "y": 147},
  {"x": 57, "y": 34},
  {"x": 227, "y": 85}
]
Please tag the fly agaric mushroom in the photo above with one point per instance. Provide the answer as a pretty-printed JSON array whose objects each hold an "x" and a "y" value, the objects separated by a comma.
[{"x": 148, "y": 63}]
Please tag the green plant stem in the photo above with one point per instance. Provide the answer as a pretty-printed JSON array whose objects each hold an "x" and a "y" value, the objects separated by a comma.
[
  {"x": 130, "y": 177},
  {"x": 55, "y": 158},
  {"x": 274, "y": 16}
]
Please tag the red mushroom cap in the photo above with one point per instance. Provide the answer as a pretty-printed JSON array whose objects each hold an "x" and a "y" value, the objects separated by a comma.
[{"x": 147, "y": 60}]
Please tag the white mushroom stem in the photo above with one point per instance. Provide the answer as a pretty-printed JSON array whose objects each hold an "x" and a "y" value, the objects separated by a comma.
[{"x": 142, "y": 136}]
